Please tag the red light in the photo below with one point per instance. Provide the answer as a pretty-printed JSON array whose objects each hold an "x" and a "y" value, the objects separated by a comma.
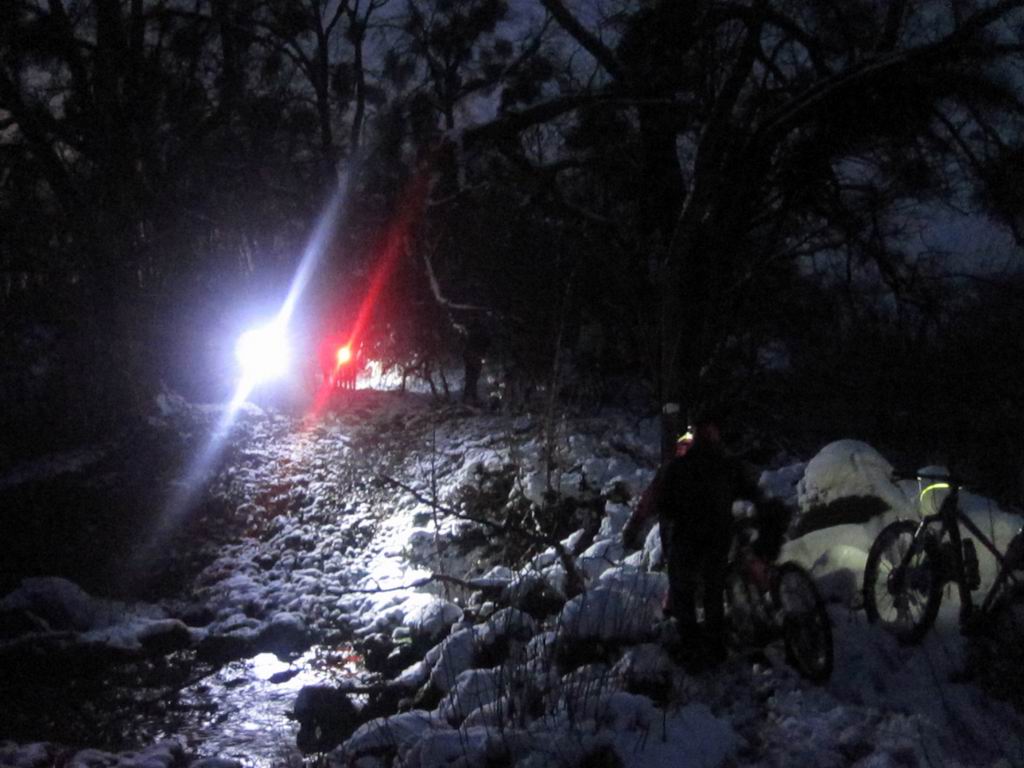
[{"x": 344, "y": 354}]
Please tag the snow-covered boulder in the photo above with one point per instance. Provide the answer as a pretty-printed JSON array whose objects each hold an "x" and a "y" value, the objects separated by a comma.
[
  {"x": 499, "y": 576},
  {"x": 599, "y": 557},
  {"x": 646, "y": 669},
  {"x": 457, "y": 653},
  {"x": 511, "y": 623},
  {"x": 606, "y": 613},
  {"x": 572, "y": 542},
  {"x": 615, "y": 518},
  {"x": 650, "y": 587},
  {"x": 429, "y": 618},
  {"x": 386, "y": 736},
  {"x": 649, "y": 556},
  {"x": 63, "y": 605},
  {"x": 163, "y": 754},
  {"x": 539, "y": 594},
  {"x": 473, "y": 689},
  {"x": 847, "y": 482}
]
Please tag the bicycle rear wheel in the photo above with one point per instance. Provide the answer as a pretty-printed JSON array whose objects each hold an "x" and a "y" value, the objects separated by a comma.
[
  {"x": 904, "y": 601},
  {"x": 806, "y": 628}
]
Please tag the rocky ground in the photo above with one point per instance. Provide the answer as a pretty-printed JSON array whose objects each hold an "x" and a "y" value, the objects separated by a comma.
[{"x": 428, "y": 584}]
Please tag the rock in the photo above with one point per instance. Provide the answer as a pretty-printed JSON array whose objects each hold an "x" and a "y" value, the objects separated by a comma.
[
  {"x": 60, "y": 603},
  {"x": 220, "y": 649},
  {"x": 616, "y": 516},
  {"x": 326, "y": 717},
  {"x": 284, "y": 676},
  {"x": 532, "y": 593},
  {"x": 285, "y": 634},
  {"x": 35, "y": 755},
  {"x": 607, "y": 613},
  {"x": 19, "y": 621},
  {"x": 430, "y": 620},
  {"x": 196, "y": 615},
  {"x": 847, "y": 482},
  {"x": 164, "y": 636}
]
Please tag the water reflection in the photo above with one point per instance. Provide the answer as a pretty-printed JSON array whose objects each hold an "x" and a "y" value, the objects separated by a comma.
[{"x": 241, "y": 711}]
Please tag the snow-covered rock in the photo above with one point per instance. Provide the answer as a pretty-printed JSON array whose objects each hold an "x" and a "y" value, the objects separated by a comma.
[
  {"x": 783, "y": 483},
  {"x": 457, "y": 653},
  {"x": 849, "y": 468},
  {"x": 607, "y": 613},
  {"x": 430, "y": 618},
  {"x": 615, "y": 518},
  {"x": 393, "y": 735},
  {"x": 64, "y": 605},
  {"x": 473, "y": 689},
  {"x": 599, "y": 557}
]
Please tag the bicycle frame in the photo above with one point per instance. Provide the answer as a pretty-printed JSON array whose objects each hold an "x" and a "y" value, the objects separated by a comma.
[{"x": 949, "y": 517}]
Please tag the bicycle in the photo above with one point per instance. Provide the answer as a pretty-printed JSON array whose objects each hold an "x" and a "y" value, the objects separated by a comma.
[
  {"x": 909, "y": 564},
  {"x": 767, "y": 601}
]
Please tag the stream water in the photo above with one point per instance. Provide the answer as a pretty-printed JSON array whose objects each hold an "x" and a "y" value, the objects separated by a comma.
[{"x": 242, "y": 710}]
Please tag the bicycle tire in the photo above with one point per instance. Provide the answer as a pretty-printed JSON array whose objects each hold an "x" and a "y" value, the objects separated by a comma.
[
  {"x": 892, "y": 605},
  {"x": 806, "y": 627},
  {"x": 741, "y": 610}
]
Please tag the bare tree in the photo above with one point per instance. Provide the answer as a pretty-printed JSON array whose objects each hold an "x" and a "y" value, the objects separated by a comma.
[{"x": 772, "y": 130}]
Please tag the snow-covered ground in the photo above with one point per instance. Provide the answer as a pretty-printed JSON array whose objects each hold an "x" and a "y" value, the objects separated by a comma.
[{"x": 356, "y": 528}]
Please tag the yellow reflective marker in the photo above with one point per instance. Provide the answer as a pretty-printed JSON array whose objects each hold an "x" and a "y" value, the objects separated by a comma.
[{"x": 930, "y": 488}]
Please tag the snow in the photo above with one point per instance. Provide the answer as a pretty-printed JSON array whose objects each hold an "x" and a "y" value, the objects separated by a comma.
[
  {"x": 397, "y": 733},
  {"x": 849, "y": 468},
  {"x": 164, "y": 754},
  {"x": 65, "y": 611},
  {"x": 499, "y": 679},
  {"x": 693, "y": 738},
  {"x": 607, "y": 613},
  {"x": 429, "y": 617}
]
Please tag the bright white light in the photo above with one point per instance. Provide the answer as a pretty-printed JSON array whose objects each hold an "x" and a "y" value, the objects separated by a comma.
[{"x": 263, "y": 353}]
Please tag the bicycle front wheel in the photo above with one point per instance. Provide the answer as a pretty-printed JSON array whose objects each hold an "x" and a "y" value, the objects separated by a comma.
[
  {"x": 744, "y": 610},
  {"x": 806, "y": 628},
  {"x": 902, "y": 584}
]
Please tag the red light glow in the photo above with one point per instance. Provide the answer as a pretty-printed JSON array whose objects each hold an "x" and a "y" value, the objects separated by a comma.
[{"x": 389, "y": 249}]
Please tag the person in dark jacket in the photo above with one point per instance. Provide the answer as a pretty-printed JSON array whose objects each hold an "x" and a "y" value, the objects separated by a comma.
[{"x": 692, "y": 496}]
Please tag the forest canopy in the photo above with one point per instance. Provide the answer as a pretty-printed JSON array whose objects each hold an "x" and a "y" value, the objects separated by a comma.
[{"x": 668, "y": 201}]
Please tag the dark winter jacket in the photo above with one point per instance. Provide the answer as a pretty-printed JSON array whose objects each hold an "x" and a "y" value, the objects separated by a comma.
[{"x": 696, "y": 494}]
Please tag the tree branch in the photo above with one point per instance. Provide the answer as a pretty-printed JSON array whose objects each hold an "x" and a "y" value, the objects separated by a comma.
[
  {"x": 574, "y": 580},
  {"x": 593, "y": 45}
]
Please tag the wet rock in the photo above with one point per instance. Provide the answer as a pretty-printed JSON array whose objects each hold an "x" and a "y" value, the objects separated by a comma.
[
  {"x": 376, "y": 649},
  {"x": 196, "y": 615},
  {"x": 326, "y": 717},
  {"x": 285, "y": 634},
  {"x": 165, "y": 636},
  {"x": 284, "y": 676},
  {"x": 220, "y": 649}
]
